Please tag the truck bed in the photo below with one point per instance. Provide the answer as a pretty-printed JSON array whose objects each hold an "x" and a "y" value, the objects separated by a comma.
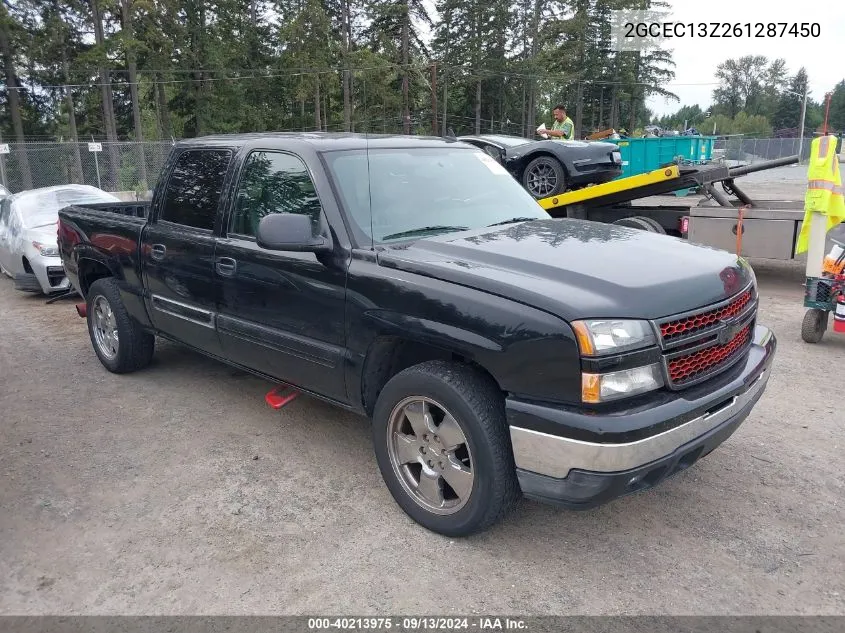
[
  {"x": 109, "y": 233},
  {"x": 130, "y": 209}
]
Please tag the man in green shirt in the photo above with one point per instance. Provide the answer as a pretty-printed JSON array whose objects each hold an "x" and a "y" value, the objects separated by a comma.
[{"x": 562, "y": 127}]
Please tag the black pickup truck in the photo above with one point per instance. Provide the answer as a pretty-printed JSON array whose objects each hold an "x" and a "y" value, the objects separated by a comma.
[{"x": 497, "y": 351}]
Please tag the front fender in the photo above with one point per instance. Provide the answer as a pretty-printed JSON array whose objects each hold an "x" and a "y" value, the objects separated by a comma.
[
  {"x": 426, "y": 331},
  {"x": 526, "y": 350}
]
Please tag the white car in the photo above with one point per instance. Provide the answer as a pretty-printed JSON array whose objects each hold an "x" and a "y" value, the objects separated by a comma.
[{"x": 28, "y": 250}]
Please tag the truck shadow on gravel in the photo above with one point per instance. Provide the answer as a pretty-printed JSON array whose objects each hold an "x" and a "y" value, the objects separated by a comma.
[{"x": 322, "y": 425}]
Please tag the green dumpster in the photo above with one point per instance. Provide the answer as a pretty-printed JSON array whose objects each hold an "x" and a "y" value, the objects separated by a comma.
[{"x": 641, "y": 155}]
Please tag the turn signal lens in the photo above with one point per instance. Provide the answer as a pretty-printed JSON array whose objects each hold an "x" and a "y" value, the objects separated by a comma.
[
  {"x": 585, "y": 341},
  {"x": 591, "y": 388}
]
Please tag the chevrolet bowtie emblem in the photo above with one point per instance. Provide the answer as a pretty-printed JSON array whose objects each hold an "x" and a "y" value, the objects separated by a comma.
[{"x": 727, "y": 333}]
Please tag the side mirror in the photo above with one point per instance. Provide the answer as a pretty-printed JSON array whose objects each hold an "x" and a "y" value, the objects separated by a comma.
[{"x": 290, "y": 232}]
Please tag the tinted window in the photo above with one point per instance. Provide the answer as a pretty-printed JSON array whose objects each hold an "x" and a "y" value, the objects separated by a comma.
[
  {"x": 273, "y": 182},
  {"x": 193, "y": 191}
]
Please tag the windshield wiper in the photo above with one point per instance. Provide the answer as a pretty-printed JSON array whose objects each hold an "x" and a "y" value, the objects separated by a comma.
[
  {"x": 425, "y": 229},
  {"x": 512, "y": 221}
]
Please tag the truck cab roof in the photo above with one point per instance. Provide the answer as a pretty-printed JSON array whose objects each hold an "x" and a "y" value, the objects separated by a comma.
[{"x": 319, "y": 141}]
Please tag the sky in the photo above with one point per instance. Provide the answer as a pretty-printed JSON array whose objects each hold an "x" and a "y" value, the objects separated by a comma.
[{"x": 696, "y": 58}]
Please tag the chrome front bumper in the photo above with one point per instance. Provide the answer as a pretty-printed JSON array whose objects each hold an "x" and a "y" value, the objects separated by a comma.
[
  {"x": 556, "y": 456},
  {"x": 652, "y": 441}
]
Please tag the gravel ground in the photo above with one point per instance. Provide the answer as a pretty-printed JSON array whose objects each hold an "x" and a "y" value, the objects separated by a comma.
[{"x": 177, "y": 491}]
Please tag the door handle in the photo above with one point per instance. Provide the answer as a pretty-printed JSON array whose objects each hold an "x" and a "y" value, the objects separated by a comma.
[
  {"x": 158, "y": 251},
  {"x": 226, "y": 266}
]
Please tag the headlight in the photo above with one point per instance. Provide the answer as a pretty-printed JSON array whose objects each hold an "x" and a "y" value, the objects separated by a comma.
[
  {"x": 617, "y": 157},
  {"x": 597, "y": 337},
  {"x": 597, "y": 388},
  {"x": 46, "y": 250}
]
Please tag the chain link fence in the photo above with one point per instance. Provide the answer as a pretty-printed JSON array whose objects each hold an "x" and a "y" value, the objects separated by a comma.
[
  {"x": 738, "y": 149},
  {"x": 121, "y": 166}
]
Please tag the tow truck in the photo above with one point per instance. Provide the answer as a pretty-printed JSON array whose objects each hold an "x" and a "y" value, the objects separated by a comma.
[{"x": 726, "y": 218}]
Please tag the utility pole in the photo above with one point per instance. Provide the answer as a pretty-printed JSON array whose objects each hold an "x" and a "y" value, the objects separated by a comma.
[
  {"x": 801, "y": 126},
  {"x": 803, "y": 117},
  {"x": 434, "y": 99},
  {"x": 826, "y": 112}
]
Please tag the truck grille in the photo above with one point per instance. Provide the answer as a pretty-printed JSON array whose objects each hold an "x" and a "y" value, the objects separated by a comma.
[
  {"x": 685, "y": 369},
  {"x": 703, "y": 343},
  {"x": 706, "y": 320}
]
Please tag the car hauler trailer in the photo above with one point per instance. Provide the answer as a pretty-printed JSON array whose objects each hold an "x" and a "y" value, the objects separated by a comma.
[{"x": 727, "y": 218}]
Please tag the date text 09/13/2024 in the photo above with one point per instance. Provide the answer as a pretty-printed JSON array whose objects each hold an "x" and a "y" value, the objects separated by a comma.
[{"x": 422, "y": 623}]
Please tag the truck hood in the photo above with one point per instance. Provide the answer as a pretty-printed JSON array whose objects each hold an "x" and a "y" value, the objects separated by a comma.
[{"x": 577, "y": 269}]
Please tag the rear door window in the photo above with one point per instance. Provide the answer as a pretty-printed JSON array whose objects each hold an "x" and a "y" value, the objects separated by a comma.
[{"x": 193, "y": 191}]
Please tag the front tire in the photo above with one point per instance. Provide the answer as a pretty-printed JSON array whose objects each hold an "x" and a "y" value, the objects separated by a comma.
[
  {"x": 443, "y": 447},
  {"x": 119, "y": 341},
  {"x": 543, "y": 177}
]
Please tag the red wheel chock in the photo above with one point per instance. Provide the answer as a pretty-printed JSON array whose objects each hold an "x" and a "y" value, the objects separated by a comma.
[{"x": 280, "y": 396}]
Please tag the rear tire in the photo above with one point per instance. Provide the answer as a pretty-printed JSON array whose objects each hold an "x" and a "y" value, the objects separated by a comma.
[
  {"x": 543, "y": 177},
  {"x": 119, "y": 341},
  {"x": 441, "y": 390},
  {"x": 814, "y": 325},
  {"x": 642, "y": 223}
]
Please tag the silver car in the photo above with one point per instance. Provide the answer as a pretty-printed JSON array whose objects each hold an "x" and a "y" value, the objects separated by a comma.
[{"x": 28, "y": 251}]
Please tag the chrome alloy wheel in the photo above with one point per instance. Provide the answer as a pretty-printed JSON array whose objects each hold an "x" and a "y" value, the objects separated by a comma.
[
  {"x": 430, "y": 455},
  {"x": 105, "y": 327}
]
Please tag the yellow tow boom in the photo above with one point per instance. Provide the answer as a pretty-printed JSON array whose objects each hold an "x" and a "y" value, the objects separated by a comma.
[{"x": 661, "y": 175}]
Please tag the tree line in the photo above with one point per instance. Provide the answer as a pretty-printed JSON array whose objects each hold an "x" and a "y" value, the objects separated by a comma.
[
  {"x": 757, "y": 96},
  {"x": 156, "y": 69}
]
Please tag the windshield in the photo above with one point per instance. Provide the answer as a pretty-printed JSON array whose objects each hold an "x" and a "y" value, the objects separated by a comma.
[
  {"x": 414, "y": 192},
  {"x": 42, "y": 208}
]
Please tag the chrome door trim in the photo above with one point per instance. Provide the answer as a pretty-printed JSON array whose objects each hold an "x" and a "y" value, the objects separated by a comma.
[{"x": 160, "y": 303}]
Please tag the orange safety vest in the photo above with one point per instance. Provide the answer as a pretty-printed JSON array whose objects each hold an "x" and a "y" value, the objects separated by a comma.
[{"x": 824, "y": 188}]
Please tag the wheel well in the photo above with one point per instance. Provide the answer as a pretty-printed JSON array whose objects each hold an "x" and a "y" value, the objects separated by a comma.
[
  {"x": 26, "y": 266},
  {"x": 89, "y": 272},
  {"x": 389, "y": 355}
]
